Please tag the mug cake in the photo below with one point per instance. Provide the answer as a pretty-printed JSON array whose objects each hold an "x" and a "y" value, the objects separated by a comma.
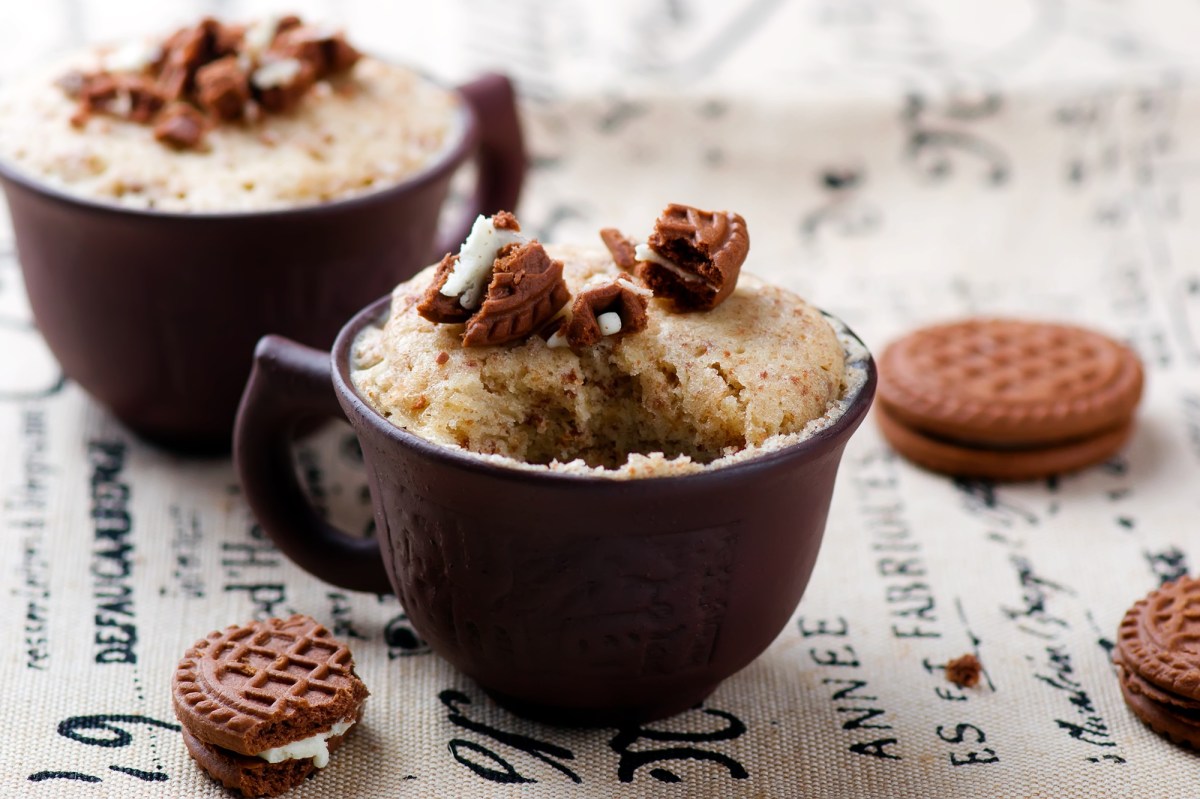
[
  {"x": 684, "y": 387},
  {"x": 223, "y": 117}
]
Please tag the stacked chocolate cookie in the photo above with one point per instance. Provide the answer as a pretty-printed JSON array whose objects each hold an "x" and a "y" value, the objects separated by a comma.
[
  {"x": 1007, "y": 399},
  {"x": 1158, "y": 660},
  {"x": 263, "y": 704}
]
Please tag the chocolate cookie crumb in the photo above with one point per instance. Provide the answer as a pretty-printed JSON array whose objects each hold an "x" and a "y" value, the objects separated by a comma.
[
  {"x": 440, "y": 308},
  {"x": 280, "y": 84},
  {"x": 622, "y": 249},
  {"x": 694, "y": 256},
  {"x": 145, "y": 100},
  {"x": 328, "y": 52},
  {"x": 223, "y": 88},
  {"x": 619, "y": 296},
  {"x": 504, "y": 220},
  {"x": 181, "y": 126},
  {"x": 964, "y": 671},
  {"x": 211, "y": 67},
  {"x": 526, "y": 291}
]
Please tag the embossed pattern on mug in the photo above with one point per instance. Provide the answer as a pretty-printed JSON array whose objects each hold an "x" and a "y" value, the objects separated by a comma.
[{"x": 493, "y": 592}]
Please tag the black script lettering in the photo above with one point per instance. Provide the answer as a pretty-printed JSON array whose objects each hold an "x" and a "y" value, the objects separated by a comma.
[
  {"x": 894, "y": 567},
  {"x": 876, "y": 749},
  {"x": 264, "y": 596},
  {"x": 402, "y": 640},
  {"x": 343, "y": 625},
  {"x": 547, "y": 753},
  {"x": 632, "y": 760},
  {"x": 960, "y": 734},
  {"x": 822, "y": 628},
  {"x": 974, "y": 757},
  {"x": 77, "y": 728},
  {"x": 248, "y": 555},
  {"x": 108, "y": 731},
  {"x": 505, "y": 774},
  {"x": 860, "y": 722},
  {"x": 831, "y": 657},
  {"x": 115, "y": 635},
  {"x": 848, "y": 691},
  {"x": 914, "y": 632}
]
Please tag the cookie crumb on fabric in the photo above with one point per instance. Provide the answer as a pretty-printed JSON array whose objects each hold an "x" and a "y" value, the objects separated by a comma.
[{"x": 964, "y": 671}]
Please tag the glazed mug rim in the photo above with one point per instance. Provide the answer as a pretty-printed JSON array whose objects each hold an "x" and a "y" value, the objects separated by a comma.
[{"x": 358, "y": 409}]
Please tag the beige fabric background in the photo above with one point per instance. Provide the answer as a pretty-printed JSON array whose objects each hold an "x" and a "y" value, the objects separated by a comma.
[{"x": 898, "y": 162}]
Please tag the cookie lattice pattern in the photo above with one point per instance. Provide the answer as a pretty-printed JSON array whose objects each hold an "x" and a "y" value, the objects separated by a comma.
[
  {"x": 277, "y": 667},
  {"x": 1033, "y": 364},
  {"x": 1159, "y": 638}
]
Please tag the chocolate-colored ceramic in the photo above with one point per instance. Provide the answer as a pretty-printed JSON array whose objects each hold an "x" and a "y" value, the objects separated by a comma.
[
  {"x": 571, "y": 599},
  {"x": 157, "y": 314}
]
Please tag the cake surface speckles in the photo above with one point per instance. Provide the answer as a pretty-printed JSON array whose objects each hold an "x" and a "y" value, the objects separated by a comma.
[{"x": 690, "y": 389}]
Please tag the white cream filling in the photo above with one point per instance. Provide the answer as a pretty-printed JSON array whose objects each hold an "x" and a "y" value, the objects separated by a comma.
[
  {"x": 603, "y": 280},
  {"x": 314, "y": 746},
  {"x": 260, "y": 35},
  {"x": 610, "y": 323},
  {"x": 469, "y": 277},
  {"x": 558, "y": 338},
  {"x": 132, "y": 57},
  {"x": 644, "y": 252},
  {"x": 275, "y": 73}
]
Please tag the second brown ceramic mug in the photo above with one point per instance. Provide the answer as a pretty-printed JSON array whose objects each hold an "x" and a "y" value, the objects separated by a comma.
[
  {"x": 156, "y": 314},
  {"x": 573, "y": 599}
]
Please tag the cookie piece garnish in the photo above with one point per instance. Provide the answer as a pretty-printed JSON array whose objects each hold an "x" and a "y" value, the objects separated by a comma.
[
  {"x": 223, "y": 88},
  {"x": 501, "y": 283},
  {"x": 223, "y": 72},
  {"x": 622, "y": 249},
  {"x": 463, "y": 278},
  {"x": 525, "y": 292},
  {"x": 263, "y": 704},
  {"x": 1007, "y": 399},
  {"x": 1158, "y": 660},
  {"x": 446, "y": 309},
  {"x": 326, "y": 49},
  {"x": 693, "y": 257},
  {"x": 280, "y": 83},
  {"x": 181, "y": 127},
  {"x": 606, "y": 308}
]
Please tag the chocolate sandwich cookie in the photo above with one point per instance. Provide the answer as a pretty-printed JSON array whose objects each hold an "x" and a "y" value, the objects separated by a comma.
[
  {"x": 1007, "y": 399},
  {"x": 1158, "y": 660},
  {"x": 693, "y": 257},
  {"x": 263, "y": 704},
  {"x": 501, "y": 284}
]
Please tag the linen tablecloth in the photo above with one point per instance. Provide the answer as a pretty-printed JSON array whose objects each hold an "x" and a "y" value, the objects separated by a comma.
[{"x": 898, "y": 162}]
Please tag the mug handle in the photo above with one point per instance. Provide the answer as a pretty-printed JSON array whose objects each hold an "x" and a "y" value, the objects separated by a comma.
[
  {"x": 500, "y": 158},
  {"x": 290, "y": 384}
]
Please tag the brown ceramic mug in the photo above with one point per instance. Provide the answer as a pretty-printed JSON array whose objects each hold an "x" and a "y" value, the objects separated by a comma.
[
  {"x": 572, "y": 599},
  {"x": 156, "y": 314}
]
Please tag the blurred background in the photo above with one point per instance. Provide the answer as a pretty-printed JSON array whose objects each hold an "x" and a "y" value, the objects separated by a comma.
[
  {"x": 897, "y": 161},
  {"x": 931, "y": 156}
]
